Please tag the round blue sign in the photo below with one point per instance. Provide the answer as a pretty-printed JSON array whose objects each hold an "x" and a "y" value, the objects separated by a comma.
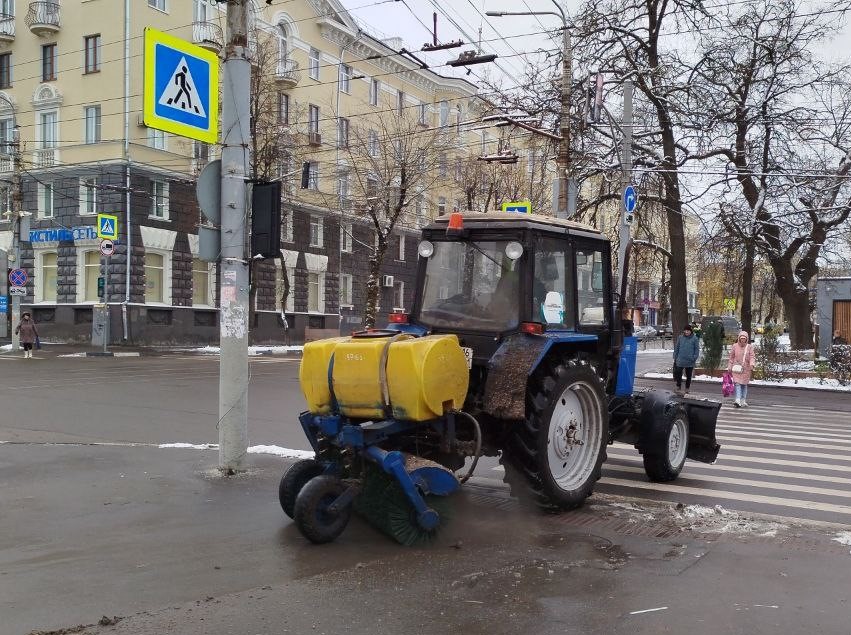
[
  {"x": 630, "y": 199},
  {"x": 18, "y": 277}
]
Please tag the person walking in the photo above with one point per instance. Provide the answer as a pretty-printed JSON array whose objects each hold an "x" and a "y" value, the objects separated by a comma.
[
  {"x": 28, "y": 332},
  {"x": 686, "y": 352},
  {"x": 741, "y": 364}
]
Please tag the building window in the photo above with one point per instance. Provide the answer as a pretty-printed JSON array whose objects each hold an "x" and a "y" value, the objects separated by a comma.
[
  {"x": 372, "y": 143},
  {"x": 345, "y": 78},
  {"x": 444, "y": 113},
  {"x": 88, "y": 196},
  {"x": 283, "y": 109},
  {"x": 48, "y": 277},
  {"x": 315, "y": 292},
  {"x": 399, "y": 295},
  {"x": 346, "y": 290},
  {"x": 343, "y": 188},
  {"x": 45, "y": 200},
  {"x": 156, "y": 139},
  {"x": 441, "y": 206},
  {"x": 287, "y": 220},
  {"x": 374, "y": 89},
  {"x": 6, "y": 70},
  {"x": 313, "y": 64},
  {"x": 343, "y": 133},
  {"x": 400, "y": 102},
  {"x": 92, "y": 117},
  {"x": 401, "y": 254},
  {"x": 92, "y": 57},
  {"x": 419, "y": 210},
  {"x": 346, "y": 237},
  {"x": 154, "y": 278},
  {"x": 443, "y": 165},
  {"x": 313, "y": 119},
  {"x": 159, "y": 199},
  {"x": 201, "y": 295},
  {"x": 423, "y": 114},
  {"x": 316, "y": 238},
  {"x": 91, "y": 273},
  {"x": 157, "y": 4},
  {"x": 313, "y": 175},
  {"x": 48, "y": 62},
  {"x": 371, "y": 190},
  {"x": 47, "y": 130}
]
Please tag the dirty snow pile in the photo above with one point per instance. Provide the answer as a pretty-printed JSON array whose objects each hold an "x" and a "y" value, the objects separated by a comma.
[
  {"x": 275, "y": 450},
  {"x": 814, "y": 383},
  {"x": 843, "y": 538},
  {"x": 253, "y": 350},
  {"x": 6, "y": 347}
]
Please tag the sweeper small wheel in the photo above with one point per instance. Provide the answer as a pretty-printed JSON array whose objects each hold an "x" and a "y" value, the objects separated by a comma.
[
  {"x": 313, "y": 514},
  {"x": 293, "y": 480}
]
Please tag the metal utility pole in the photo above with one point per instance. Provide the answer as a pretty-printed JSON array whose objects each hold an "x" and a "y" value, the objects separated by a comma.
[
  {"x": 566, "y": 198},
  {"x": 626, "y": 179},
  {"x": 233, "y": 319},
  {"x": 17, "y": 200}
]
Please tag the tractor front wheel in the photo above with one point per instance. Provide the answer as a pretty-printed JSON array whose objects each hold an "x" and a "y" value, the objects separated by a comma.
[
  {"x": 665, "y": 462},
  {"x": 555, "y": 456}
]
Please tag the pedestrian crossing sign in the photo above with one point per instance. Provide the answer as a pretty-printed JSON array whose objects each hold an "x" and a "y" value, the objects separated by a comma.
[
  {"x": 181, "y": 94},
  {"x": 107, "y": 226}
]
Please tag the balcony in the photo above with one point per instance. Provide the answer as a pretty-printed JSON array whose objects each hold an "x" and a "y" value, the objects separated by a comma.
[
  {"x": 287, "y": 74},
  {"x": 314, "y": 139},
  {"x": 43, "y": 18},
  {"x": 46, "y": 157},
  {"x": 208, "y": 35},
  {"x": 7, "y": 28}
]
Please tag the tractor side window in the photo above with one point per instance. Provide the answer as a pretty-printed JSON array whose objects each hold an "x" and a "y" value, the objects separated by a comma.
[
  {"x": 551, "y": 303},
  {"x": 590, "y": 290}
]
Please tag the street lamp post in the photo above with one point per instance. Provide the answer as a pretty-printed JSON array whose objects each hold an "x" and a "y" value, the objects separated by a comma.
[
  {"x": 15, "y": 216},
  {"x": 566, "y": 197}
]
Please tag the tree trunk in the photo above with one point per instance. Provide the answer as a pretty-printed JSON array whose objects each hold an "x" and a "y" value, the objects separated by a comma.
[
  {"x": 747, "y": 286},
  {"x": 373, "y": 286},
  {"x": 796, "y": 305}
]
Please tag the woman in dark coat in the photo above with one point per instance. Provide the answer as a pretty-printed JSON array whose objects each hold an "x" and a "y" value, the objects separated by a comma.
[{"x": 28, "y": 332}]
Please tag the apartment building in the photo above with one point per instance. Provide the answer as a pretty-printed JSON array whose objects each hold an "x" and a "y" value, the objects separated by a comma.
[{"x": 71, "y": 82}]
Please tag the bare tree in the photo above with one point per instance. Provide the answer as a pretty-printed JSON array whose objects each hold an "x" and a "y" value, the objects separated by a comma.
[{"x": 392, "y": 161}]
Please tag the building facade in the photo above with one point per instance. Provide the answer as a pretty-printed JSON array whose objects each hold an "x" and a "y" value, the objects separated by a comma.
[{"x": 71, "y": 84}]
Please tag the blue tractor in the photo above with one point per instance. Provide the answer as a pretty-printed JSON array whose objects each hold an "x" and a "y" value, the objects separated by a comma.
[{"x": 529, "y": 301}]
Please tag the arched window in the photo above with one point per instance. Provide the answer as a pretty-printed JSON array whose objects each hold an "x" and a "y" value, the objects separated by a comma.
[{"x": 283, "y": 43}]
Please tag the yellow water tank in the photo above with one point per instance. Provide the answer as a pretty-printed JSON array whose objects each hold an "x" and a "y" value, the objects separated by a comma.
[{"x": 425, "y": 376}]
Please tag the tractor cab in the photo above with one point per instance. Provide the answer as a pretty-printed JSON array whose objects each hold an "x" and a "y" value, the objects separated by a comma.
[{"x": 487, "y": 277}]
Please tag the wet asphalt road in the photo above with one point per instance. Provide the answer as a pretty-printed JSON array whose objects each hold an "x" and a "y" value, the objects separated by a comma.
[{"x": 121, "y": 528}]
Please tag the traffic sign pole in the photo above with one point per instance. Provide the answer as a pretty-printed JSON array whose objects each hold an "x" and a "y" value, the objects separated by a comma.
[
  {"x": 626, "y": 176},
  {"x": 233, "y": 319}
]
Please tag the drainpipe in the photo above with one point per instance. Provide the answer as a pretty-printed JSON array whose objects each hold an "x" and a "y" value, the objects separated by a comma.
[{"x": 128, "y": 266}]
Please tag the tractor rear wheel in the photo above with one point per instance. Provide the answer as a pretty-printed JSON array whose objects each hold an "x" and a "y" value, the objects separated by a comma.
[
  {"x": 293, "y": 480},
  {"x": 554, "y": 457},
  {"x": 665, "y": 462}
]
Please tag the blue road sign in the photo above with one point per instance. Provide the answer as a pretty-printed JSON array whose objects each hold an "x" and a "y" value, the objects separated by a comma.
[
  {"x": 181, "y": 87},
  {"x": 18, "y": 278},
  {"x": 4, "y": 304},
  {"x": 630, "y": 199}
]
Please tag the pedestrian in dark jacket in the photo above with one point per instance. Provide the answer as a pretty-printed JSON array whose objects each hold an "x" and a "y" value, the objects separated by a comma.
[
  {"x": 686, "y": 352},
  {"x": 28, "y": 334}
]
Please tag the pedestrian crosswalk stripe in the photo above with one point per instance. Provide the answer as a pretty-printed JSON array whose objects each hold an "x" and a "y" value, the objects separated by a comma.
[
  {"x": 838, "y": 420},
  {"x": 789, "y": 443},
  {"x": 788, "y": 451},
  {"x": 806, "y": 489},
  {"x": 796, "y": 425},
  {"x": 735, "y": 496},
  {"x": 709, "y": 470},
  {"x": 726, "y": 456},
  {"x": 786, "y": 434}
]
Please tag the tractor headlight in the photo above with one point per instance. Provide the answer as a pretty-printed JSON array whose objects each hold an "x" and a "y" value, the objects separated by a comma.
[
  {"x": 425, "y": 249},
  {"x": 514, "y": 250}
]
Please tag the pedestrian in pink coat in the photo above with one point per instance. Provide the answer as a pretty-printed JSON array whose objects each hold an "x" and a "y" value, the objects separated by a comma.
[{"x": 740, "y": 365}]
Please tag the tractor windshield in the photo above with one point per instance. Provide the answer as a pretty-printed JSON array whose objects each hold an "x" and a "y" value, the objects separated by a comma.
[{"x": 471, "y": 285}]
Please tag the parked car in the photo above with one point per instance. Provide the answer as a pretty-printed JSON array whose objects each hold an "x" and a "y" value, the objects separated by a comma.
[
  {"x": 758, "y": 329},
  {"x": 730, "y": 326},
  {"x": 644, "y": 332}
]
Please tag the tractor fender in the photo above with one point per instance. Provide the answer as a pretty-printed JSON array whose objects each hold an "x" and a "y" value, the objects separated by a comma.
[
  {"x": 515, "y": 360},
  {"x": 658, "y": 408}
]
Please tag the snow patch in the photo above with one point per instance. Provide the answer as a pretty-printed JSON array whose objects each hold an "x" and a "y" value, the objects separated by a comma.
[
  {"x": 814, "y": 383},
  {"x": 843, "y": 538},
  {"x": 6, "y": 347},
  {"x": 276, "y": 450},
  {"x": 190, "y": 446},
  {"x": 252, "y": 350}
]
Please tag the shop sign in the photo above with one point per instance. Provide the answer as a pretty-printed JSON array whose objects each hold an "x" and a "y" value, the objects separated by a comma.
[{"x": 83, "y": 232}]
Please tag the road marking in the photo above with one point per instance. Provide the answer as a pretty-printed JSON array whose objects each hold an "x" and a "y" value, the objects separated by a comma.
[
  {"x": 740, "y": 458},
  {"x": 815, "y": 455},
  {"x": 822, "y": 491},
  {"x": 769, "y": 432},
  {"x": 840, "y": 422},
  {"x": 735, "y": 496},
  {"x": 788, "y": 443}
]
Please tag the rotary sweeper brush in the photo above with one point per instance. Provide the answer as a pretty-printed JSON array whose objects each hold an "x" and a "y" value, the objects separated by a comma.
[{"x": 514, "y": 348}]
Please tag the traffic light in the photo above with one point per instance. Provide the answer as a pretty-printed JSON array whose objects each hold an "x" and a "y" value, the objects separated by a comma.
[
  {"x": 101, "y": 287},
  {"x": 266, "y": 220}
]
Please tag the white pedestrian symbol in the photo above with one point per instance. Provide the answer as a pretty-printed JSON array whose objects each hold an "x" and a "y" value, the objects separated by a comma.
[
  {"x": 106, "y": 227},
  {"x": 181, "y": 93}
]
